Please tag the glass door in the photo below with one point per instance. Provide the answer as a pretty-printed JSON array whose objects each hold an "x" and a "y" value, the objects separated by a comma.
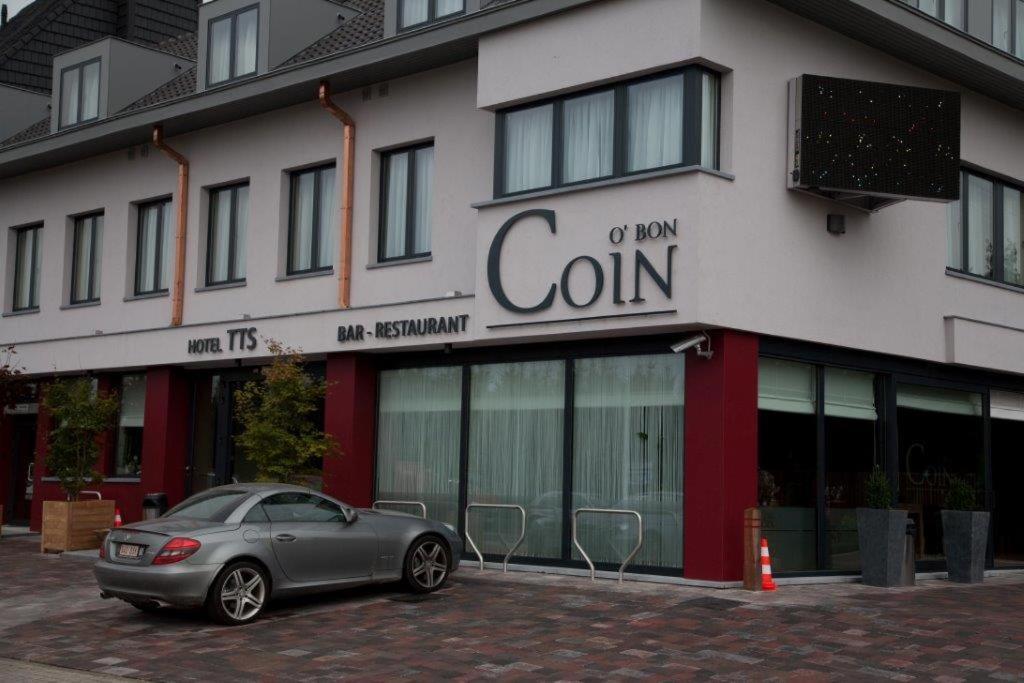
[{"x": 216, "y": 457}]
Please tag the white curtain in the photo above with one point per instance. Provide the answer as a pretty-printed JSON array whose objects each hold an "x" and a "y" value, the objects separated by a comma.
[
  {"x": 414, "y": 12},
  {"x": 328, "y": 216},
  {"x": 418, "y": 439},
  {"x": 954, "y": 13},
  {"x": 628, "y": 454},
  {"x": 517, "y": 413},
  {"x": 90, "y": 91},
  {"x": 241, "y": 230},
  {"x": 220, "y": 51},
  {"x": 709, "y": 120},
  {"x": 446, "y": 7},
  {"x": 1001, "y": 24},
  {"x": 146, "y": 249},
  {"x": 1007, "y": 406},
  {"x": 1018, "y": 29},
  {"x": 303, "y": 186},
  {"x": 979, "y": 226},
  {"x": 656, "y": 123},
  {"x": 424, "y": 200},
  {"x": 396, "y": 205},
  {"x": 220, "y": 236},
  {"x": 1012, "y": 217},
  {"x": 954, "y": 236},
  {"x": 938, "y": 400},
  {"x": 27, "y": 276},
  {"x": 69, "y": 97},
  {"x": 589, "y": 128},
  {"x": 86, "y": 233},
  {"x": 786, "y": 386},
  {"x": 245, "y": 42},
  {"x": 528, "y": 148}
]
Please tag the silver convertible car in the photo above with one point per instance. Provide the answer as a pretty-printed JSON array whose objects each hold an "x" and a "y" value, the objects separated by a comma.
[{"x": 233, "y": 548}]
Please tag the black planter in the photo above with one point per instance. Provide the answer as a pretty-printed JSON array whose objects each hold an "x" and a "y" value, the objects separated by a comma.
[
  {"x": 882, "y": 535},
  {"x": 965, "y": 541}
]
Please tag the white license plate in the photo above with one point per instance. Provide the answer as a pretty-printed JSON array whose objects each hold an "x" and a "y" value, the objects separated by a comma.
[{"x": 130, "y": 551}]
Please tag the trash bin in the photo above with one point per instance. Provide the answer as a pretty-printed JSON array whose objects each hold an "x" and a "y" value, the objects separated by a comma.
[
  {"x": 910, "y": 555},
  {"x": 154, "y": 505}
]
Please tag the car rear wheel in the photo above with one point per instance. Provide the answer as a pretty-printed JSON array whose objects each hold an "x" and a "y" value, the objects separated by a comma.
[
  {"x": 427, "y": 564},
  {"x": 239, "y": 594}
]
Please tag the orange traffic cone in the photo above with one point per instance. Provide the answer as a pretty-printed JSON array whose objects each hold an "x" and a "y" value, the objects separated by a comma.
[
  {"x": 767, "y": 582},
  {"x": 117, "y": 517}
]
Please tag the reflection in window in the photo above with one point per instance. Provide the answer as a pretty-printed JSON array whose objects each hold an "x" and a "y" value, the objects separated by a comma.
[
  {"x": 418, "y": 438},
  {"x": 128, "y": 460},
  {"x": 628, "y": 454}
]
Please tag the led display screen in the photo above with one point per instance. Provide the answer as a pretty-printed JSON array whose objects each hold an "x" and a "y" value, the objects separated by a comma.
[{"x": 877, "y": 138}]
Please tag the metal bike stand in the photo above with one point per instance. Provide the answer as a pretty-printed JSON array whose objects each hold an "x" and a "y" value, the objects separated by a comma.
[
  {"x": 607, "y": 511},
  {"x": 500, "y": 506},
  {"x": 99, "y": 496},
  {"x": 410, "y": 503}
]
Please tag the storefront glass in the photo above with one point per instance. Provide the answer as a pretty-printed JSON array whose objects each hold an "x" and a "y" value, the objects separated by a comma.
[
  {"x": 418, "y": 439},
  {"x": 1007, "y": 474},
  {"x": 216, "y": 457},
  {"x": 627, "y": 454},
  {"x": 128, "y": 458}
]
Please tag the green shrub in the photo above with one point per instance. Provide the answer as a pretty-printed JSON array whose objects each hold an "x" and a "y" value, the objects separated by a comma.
[
  {"x": 878, "y": 494},
  {"x": 960, "y": 495},
  {"x": 80, "y": 416}
]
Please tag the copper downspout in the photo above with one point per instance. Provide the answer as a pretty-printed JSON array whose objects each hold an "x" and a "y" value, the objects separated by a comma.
[
  {"x": 178, "y": 293},
  {"x": 349, "y": 166}
]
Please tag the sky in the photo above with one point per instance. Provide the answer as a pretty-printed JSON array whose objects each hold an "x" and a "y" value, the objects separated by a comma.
[{"x": 13, "y": 6}]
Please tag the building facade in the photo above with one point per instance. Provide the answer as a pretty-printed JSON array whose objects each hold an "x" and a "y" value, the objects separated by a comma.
[{"x": 490, "y": 238}]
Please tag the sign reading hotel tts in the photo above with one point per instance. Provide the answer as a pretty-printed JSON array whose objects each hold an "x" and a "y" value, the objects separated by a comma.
[{"x": 642, "y": 233}]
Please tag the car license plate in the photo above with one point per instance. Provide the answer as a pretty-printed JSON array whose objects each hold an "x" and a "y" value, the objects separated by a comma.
[{"x": 130, "y": 551}]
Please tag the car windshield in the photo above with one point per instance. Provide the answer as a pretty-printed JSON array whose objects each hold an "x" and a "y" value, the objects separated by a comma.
[{"x": 213, "y": 506}]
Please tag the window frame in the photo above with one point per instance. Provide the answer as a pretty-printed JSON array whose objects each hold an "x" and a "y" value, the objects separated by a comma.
[
  {"x": 92, "y": 295},
  {"x": 161, "y": 237},
  {"x": 691, "y": 135},
  {"x": 80, "y": 68},
  {"x": 999, "y": 183},
  {"x": 316, "y": 238},
  {"x": 233, "y": 53},
  {"x": 232, "y": 236},
  {"x": 33, "y": 296},
  {"x": 432, "y": 17},
  {"x": 410, "y": 204}
]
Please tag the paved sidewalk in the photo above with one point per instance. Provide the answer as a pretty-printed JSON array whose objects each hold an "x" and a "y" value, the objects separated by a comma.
[
  {"x": 12, "y": 671},
  {"x": 524, "y": 626}
]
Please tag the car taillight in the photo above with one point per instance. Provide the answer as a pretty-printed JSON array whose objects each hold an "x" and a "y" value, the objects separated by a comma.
[{"x": 176, "y": 550}]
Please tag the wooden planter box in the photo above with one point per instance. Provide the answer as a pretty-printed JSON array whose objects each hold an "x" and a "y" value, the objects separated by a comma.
[{"x": 73, "y": 525}]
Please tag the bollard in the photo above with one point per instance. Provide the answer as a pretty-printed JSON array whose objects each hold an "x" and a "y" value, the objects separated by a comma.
[
  {"x": 752, "y": 549},
  {"x": 909, "y": 554}
]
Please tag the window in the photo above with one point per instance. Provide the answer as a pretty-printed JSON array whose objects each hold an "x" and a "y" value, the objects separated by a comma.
[
  {"x": 407, "y": 189},
  {"x": 213, "y": 506},
  {"x": 80, "y": 93},
  {"x": 128, "y": 458},
  {"x": 85, "y": 259},
  {"x": 152, "y": 247},
  {"x": 985, "y": 230},
  {"x": 225, "y": 246},
  {"x": 311, "y": 217},
  {"x": 414, "y": 13},
  {"x": 26, "y": 268},
  {"x": 232, "y": 46},
  {"x": 302, "y": 507},
  {"x": 665, "y": 121}
]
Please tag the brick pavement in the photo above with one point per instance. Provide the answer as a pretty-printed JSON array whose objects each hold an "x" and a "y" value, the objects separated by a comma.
[{"x": 524, "y": 626}]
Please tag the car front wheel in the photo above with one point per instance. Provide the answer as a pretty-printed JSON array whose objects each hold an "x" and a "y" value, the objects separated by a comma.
[
  {"x": 427, "y": 565},
  {"x": 239, "y": 594}
]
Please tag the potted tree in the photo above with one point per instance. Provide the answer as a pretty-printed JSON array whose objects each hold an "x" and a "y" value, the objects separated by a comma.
[
  {"x": 80, "y": 416},
  {"x": 881, "y": 532},
  {"x": 276, "y": 411},
  {"x": 964, "y": 533}
]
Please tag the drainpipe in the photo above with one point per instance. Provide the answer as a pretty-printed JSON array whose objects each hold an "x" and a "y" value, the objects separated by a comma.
[
  {"x": 178, "y": 293},
  {"x": 348, "y": 165}
]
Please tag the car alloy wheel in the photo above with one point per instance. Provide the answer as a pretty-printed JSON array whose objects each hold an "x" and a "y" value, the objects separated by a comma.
[
  {"x": 429, "y": 567},
  {"x": 243, "y": 593}
]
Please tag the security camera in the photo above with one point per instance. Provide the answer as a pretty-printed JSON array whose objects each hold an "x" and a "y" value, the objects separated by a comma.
[{"x": 701, "y": 342}]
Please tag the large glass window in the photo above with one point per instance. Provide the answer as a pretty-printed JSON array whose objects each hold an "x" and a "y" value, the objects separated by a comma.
[
  {"x": 1007, "y": 472},
  {"x": 153, "y": 247},
  {"x": 313, "y": 206},
  {"x": 413, "y": 13},
  {"x": 225, "y": 246},
  {"x": 407, "y": 196},
  {"x": 80, "y": 93},
  {"x": 128, "y": 461},
  {"x": 985, "y": 234},
  {"x": 418, "y": 439},
  {"x": 628, "y": 454},
  {"x": 232, "y": 46},
  {"x": 633, "y": 127},
  {"x": 85, "y": 259},
  {"x": 26, "y": 268}
]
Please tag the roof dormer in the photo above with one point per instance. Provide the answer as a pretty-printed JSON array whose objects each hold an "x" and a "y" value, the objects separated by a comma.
[
  {"x": 102, "y": 78},
  {"x": 239, "y": 39},
  {"x": 409, "y": 15}
]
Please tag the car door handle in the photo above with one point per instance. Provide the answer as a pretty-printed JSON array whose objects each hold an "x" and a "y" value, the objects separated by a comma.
[{"x": 284, "y": 538}]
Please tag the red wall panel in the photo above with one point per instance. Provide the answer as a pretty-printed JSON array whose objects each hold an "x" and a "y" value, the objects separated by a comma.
[{"x": 350, "y": 413}]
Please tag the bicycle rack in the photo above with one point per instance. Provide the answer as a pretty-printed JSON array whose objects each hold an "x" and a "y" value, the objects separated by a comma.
[
  {"x": 99, "y": 496},
  {"x": 410, "y": 503},
  {"x": 607, "y": 511},
  {"x": 500, "y": 506}
]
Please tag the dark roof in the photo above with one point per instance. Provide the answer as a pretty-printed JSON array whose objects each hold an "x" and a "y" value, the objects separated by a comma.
[
  {"x": 180, "y": 86},
  {"x": 36, "y": 130},
  {"x": 364, "y": 28}
]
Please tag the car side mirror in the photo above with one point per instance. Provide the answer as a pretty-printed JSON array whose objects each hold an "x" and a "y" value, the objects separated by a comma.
[{"x": 351, "y": 515}]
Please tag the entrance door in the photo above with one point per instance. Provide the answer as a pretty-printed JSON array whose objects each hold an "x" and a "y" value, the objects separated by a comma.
[
  {"x": 23, "y": 455},
  {"x": 216, "y": 457}
]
